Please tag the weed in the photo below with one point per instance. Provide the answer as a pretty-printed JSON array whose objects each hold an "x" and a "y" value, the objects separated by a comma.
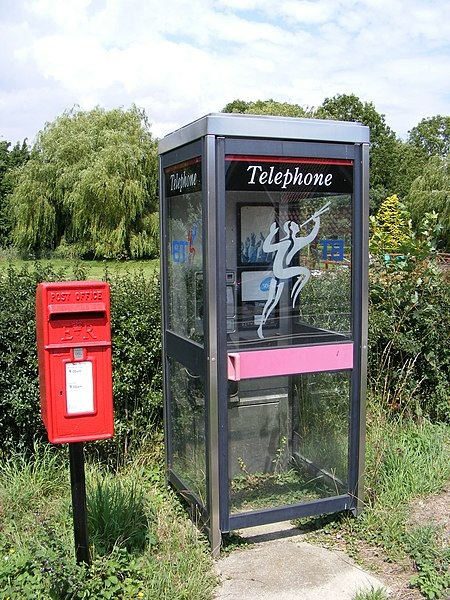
[
  {"x": 372, "y": 594},
  {"x": 280, "y": 455},
  {"x": 406, "y": 460},
  {"x": 232, "y": 541},
  {"x": 118, "y": 515},
  {"x": 432, "y": 560},
  {"x": 37, "y": 558}
]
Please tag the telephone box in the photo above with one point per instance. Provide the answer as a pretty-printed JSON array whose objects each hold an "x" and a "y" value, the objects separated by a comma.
[
  {"x": 264, "y": 269},
  {"x": 74, "y": 355}
]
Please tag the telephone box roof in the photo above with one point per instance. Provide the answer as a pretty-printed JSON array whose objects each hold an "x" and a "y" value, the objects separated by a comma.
[{"x": 268, "y": 127}]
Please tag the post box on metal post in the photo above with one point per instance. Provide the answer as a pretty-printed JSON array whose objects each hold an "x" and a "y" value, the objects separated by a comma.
[{"x": 75, "y": 378}]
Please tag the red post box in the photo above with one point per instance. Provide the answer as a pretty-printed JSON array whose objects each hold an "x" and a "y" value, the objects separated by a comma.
[{"x": 74, "y": 354}]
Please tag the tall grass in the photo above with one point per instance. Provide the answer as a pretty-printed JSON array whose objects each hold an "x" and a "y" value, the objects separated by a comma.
[
  {"x": 406, "y": 458},
  {"x": 117, "y": 514},
  {"x": 27, "y": 485},
  {"x": 143, "y": 545}
]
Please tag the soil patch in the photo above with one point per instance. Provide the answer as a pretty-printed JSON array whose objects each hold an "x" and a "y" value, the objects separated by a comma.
[{"x": 434, "y": 510}]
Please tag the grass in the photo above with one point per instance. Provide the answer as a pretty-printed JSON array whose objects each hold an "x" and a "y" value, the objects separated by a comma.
[
  {"x": 118, "y": 514},
  {"x": 142, "y": 544},
  {"x": 406, "y": 461},
  {"x": 30, "y": 483},
  {"x": 372, "y": 594},
  {"x": 265, "y": 490},
  {"x": 89, "y": 269}
]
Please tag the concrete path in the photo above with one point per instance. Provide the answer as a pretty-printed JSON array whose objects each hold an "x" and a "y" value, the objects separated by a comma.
[{"x": 279, "y": 565}]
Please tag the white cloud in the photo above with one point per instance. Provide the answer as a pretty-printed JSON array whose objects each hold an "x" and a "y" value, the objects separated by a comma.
[
  {"x": 180, "y": 59},
  {"x": 308, "y": 12}
]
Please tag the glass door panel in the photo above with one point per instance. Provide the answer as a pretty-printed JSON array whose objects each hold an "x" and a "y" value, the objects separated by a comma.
[
  {"x": 288, "y": 260},
  {"x": 289, "y": 249},
  {"x": 288, "y": 440},
  {"x": 184, "y": 328},
  {"x": 187, "y": 417}
]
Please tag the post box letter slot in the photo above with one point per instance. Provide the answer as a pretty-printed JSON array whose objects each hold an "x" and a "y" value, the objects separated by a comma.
[
  {"x": 73, "y": 311},
  {"x": 77, "y": 315}
]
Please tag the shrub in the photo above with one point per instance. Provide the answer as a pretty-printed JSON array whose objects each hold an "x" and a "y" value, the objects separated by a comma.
[
  {"x": 20, "y": 422},
  {"x": 409, "y": 336},
  {"x": 137, "y": 376},
  {"x": 135, "y": 323},
  {"x": 389, "y": 226},
  {"x": 409, "y": 322}
]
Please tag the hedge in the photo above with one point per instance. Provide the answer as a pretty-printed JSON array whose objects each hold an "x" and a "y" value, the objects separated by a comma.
[
  {"x": 135, "y": 324},
  {"x": 409, "y": 350}
]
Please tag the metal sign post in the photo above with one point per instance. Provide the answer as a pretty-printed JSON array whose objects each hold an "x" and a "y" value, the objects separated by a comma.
[{"x": 78, "y": 484}]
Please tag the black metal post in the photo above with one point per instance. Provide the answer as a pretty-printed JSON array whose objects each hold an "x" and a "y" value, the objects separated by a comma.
[{"x": 78, "y": 484}]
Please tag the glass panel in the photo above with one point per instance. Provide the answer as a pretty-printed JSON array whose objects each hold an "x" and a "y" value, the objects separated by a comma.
[
  {"x": 185, "y": 265},
  {"x": 187, "y": 416},
  {"x": 289, "y": 245},
  {"x": 288, "y": 440}
]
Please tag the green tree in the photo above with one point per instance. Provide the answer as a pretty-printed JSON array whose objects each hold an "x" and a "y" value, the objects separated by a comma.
[
  {"x": 429, "y": 193},
  {"x": 4, "y": 189},
  {"x": 348, "y": 107},
  {"x": 268, "y": 107},
  {"x": 432, "y": 136},
  {"x": 389, "y": 228},
  {"x": 384, "y": 145},
  {"x": 408, "y": 163},
  {"x": 9, "y": 160},
  {"x": 90, "y": 184}
]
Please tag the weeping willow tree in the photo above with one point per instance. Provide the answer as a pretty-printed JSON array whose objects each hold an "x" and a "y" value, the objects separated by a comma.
[
  {"x": 431, "y": 192},
  {"x": 90, "y": 185}
]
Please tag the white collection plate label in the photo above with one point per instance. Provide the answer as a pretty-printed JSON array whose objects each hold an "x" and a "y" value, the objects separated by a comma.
[{"x": 79, "y": 387}]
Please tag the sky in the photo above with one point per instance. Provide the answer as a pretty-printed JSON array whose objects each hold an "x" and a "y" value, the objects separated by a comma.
[{"x": 182, "y": 59}]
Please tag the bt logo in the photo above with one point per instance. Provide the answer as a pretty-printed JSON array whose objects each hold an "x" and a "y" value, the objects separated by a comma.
[{"x": 183, "y": 250}]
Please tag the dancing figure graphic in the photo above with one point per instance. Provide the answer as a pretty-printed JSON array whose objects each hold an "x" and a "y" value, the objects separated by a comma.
[{"x": 284, "y": 251}]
